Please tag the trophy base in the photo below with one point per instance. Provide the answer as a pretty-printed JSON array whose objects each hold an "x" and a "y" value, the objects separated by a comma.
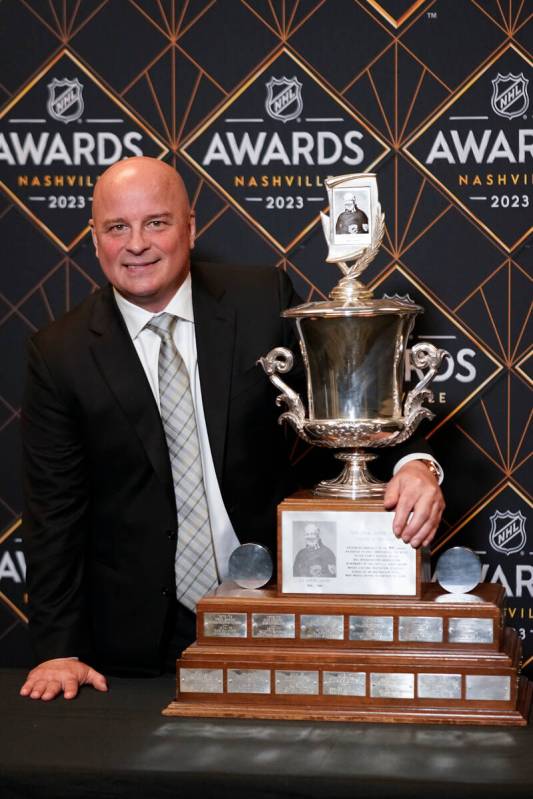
[
  {"x": 355, "y": 481},
  {"x": 515, "y": 717},
  {"x": 436, "y": 659}
]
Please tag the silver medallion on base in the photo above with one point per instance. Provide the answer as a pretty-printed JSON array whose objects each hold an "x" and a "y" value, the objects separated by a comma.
[{"x": 250, "y": 566}]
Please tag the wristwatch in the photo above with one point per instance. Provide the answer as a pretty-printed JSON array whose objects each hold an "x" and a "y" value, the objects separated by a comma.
[{"x": 432, "y": 468}]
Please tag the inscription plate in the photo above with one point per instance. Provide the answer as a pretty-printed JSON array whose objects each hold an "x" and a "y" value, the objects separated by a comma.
[
  {"x": 322, "y": 626},
  {"x": 392, "y": 686},
  {"x": 297, "y": 682},
  {"x": 273, "y": 625},
  {"x": 420, "y": 628},
  {"x": 204, "y": 681},
  {"x": 371, "y": 628},
  {"x": 470, "y": 631},
  {"x": 225, "y": 625},
  {"x": 481, "y": 686},
  {"x": 344, "y": 683},
  {"x": 248, "y": 681},
  {"x": 439, "y": 686}
]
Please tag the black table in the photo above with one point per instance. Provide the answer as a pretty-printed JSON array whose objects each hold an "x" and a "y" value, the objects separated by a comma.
[{"x": 118, "y": 745}]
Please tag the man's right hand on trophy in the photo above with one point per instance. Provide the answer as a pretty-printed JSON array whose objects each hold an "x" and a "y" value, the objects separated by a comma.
[{"x": 415, "y": 495}]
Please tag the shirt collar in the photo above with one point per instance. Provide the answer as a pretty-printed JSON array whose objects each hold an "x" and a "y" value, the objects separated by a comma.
[{"x": 136, "y": 317}]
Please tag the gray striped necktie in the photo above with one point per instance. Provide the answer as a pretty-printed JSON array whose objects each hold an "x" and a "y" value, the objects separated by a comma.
[{"x": 196, "y": 572}]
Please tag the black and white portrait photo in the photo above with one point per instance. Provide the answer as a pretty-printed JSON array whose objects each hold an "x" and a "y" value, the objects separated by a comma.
[
  {"x": 315, "y": 547},
  {"x": 351, "y": 215}
]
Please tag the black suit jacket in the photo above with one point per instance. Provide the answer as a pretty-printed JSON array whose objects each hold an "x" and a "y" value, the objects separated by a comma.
[{"x": 100, "y": 522}]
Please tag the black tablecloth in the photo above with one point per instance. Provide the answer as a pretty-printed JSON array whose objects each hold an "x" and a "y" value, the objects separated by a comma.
[{"x": 118, "y": 745}]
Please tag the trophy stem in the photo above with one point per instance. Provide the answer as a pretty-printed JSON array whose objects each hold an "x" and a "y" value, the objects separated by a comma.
[{"x": 355, "y": 481}]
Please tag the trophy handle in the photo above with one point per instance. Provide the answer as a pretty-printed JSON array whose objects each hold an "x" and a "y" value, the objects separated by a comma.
[
  {"x": 279, "y": 361},
  {"x": 424, "y": 356}
]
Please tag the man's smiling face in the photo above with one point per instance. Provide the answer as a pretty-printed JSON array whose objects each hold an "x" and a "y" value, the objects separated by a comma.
[{"x": 143, "y": 230}]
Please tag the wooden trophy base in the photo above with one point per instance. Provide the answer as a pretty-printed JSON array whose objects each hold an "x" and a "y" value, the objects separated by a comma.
[
  {"x": 397, "y": 715},
  {"x": 435, "y": 659},
  {"x": 353, "y": 632}
]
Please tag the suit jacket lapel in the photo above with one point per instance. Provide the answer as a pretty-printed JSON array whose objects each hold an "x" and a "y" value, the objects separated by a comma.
[
  {"x": 215, "y": 340},
  {"x": 119, "y": 364}
]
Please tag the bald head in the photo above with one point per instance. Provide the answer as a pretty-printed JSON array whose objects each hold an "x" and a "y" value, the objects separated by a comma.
[
  {"x": 123, "y": 175},
  {"x": 143, "y": 230}
]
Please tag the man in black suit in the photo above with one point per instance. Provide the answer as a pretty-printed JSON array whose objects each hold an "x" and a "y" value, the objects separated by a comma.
[{"x": 101, "y": 519}]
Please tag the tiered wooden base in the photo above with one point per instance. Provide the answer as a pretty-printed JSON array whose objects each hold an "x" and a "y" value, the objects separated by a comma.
[{"x": 432, "y": 659}]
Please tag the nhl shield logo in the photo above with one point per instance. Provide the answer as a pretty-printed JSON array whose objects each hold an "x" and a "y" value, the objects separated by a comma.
[
  {"x": 507, "y": 532},
  {"x": 65, "y": 101},
  {"x": 284, "y": 98},
  {"x": 509, "y": 95}
]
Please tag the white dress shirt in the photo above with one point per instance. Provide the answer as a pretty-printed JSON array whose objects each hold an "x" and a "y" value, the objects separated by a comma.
[{"x": 147, "y": 344}]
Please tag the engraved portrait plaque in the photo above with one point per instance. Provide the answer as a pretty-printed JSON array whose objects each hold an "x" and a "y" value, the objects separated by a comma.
[
  {"x": 225, "y": 625},
  {"x": 248, "y": 681},
  {"x": 481, "y": 686},
  {"x": 348, "y": 552},
  {"x": 205, "y": 681},
  {"x": 392, "y": 686},
  {"x": 344, "y": 683},
  {"x": 470, "y": 631},
  {"x": 420, "y": 628},
  {"x": 273, "y": 625},
  {"x": 296, "y": 682},
  {"x": 371, "y": 628},
  {"x": 322, "y": 627},
  {"x": 439, "y": 686}
]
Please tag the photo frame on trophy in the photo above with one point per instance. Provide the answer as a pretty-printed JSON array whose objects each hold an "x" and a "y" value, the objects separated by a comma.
[
  {"x": 351, "y": 217},
  {"x": 354, "y": 220}
]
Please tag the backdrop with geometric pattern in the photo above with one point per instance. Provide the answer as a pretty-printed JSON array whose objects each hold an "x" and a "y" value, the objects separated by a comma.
[{"x": 256, "y": 102}]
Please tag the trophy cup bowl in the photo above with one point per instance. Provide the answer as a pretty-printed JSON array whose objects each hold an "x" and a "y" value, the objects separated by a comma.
[{"x": 353, "y": 348}]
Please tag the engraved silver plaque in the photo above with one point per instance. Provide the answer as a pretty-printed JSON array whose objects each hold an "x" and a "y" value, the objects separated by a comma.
[
  {"x": 297, "y": 682},
  {"x": 273, "y": 625},
  {"x": 470, "y": 631},
  {"x": 322, "y": 626},
  {"x": 248, "y": 681},
  {"x": 250, "y": 566},
  {"x": 204, "y": 681},
  {"x": 371, "y": 628},
  {"x": 225, "y": 625},
  {"x": 458, "y": 570},
  {"x": 344, "y": 683},
  {"x": 392, "y": 686},
  {"x": 439, "y": 686},
  {"x": 481, "y": 686},
  {"x": 420, "y": 628}
]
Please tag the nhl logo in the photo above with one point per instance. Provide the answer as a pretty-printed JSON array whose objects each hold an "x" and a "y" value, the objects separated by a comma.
[
  {"x": 284, "y": 98},
  {"x": 65, "y": 101},
  {"x": 509, "y": 95},
  {"x": 507, "y": 531}
]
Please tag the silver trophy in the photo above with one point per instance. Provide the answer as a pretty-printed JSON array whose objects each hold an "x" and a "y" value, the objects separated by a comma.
[{"x": 353, "y": 347}]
